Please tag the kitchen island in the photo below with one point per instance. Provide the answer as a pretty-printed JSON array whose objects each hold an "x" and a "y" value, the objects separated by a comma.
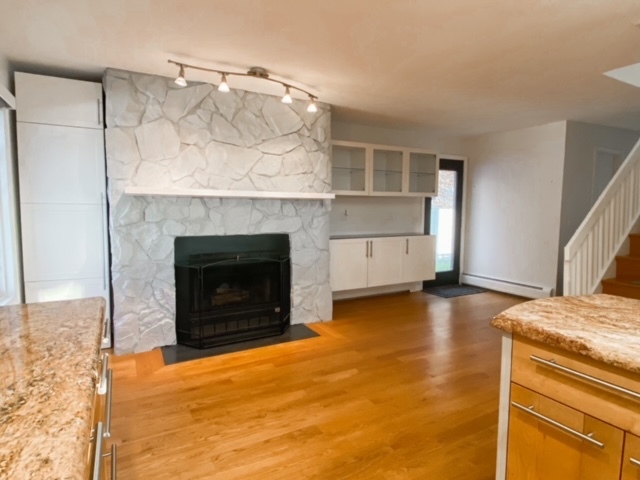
[
  {"x": 570, "y": 389},
  {"x": 49, "y": 356}
]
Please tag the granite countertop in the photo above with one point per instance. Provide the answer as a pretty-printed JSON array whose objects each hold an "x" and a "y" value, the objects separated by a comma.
[
  {"x": 603, "y": 327},
  {"x": 48, "y": 363},
  {"x": 375, "y": 235}
]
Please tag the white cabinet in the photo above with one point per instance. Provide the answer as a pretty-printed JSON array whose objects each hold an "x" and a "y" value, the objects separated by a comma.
[
  {"x": 419, "y": 258},
  {"x": 377, "y": 261},
  {"x": 379, "y": 170},
  {"x": 61, "y": 164},
  {"x": 58, "y": 101},
  {"x": 62, "y": 241},
  {"x": 385, "y": 261},
  {"x": 62, "y": 180},
  {"x": 349, "y": 263},
  {"x": 349, "y": 175}
]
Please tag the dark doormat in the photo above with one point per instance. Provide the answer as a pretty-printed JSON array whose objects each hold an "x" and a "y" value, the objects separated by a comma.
[
  {"x": 450, "y": 291},
  {"x": 181, "y": 353}
]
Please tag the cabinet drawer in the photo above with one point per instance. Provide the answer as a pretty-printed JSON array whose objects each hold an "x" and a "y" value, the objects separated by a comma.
[
  {"x": 577, "y": 381},
  {"x": 548, "y": 440},
  {"x": 631, "y": 458}
]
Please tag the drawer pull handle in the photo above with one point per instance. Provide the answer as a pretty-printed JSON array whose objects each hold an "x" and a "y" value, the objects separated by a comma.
[
  {"x": 114, "y": 461},
  {"x": 634, "y": 461},
  {"x": 107, "y": 428},
  {"x": 584, "y": 376},
  {"x": 587, "y": 438},
  {"x": 102, "y": 384},
  {"x": 97, "y": 457}
]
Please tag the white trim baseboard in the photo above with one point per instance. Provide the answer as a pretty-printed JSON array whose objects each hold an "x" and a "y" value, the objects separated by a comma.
[{"x": 527, "y": 291}]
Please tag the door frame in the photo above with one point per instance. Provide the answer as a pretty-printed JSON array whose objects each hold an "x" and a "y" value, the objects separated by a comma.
[{"x": 463, "y": 216}]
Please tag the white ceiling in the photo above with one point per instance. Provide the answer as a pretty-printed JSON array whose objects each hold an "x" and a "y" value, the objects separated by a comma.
[{"x": 454, "y": 66}]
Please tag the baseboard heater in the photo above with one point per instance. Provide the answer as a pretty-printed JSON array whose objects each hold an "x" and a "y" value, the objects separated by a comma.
[{"x": 506, "y": 286}]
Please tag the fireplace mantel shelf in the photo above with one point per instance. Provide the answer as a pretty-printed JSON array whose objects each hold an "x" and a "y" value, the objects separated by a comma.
[{"x": 202, "y": 192}]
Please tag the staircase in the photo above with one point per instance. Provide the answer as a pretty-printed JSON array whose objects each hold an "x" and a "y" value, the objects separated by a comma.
[{"x": 627, "y": 281}]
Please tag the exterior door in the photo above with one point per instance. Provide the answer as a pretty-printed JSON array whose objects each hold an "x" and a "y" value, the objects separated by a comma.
[{"x": 443, "y": 218}]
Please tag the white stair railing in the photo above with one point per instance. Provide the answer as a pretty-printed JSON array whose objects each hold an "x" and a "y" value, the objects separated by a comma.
[{"x": 595, "y": 244}]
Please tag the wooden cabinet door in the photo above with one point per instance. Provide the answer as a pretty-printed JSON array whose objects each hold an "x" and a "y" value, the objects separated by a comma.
[
  {"x": 631, "y": 458},
  {"x": 419, "y": 259},
  {"x": 58, "y": 101},
  {"x": 61, "y": 164},
  {"x": 539, "y": 450},
  {"x": 385, "y": 261},
  {"x": 348, "y": 264}
]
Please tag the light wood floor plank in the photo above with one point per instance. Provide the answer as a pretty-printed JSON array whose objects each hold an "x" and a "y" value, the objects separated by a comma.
[{"x": 396, "y": 387}]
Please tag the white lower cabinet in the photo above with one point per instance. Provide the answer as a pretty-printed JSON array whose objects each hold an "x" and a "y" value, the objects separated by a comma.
[
  {"x": 419, "y": 259},
  {"x": 349, "y": 263},
  {"x": 377, "y": 261},
  {"x": 385, "y": 261}
]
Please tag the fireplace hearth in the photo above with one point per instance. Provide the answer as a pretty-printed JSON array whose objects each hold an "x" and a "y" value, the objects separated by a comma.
[{"x": 231, "y": 288}]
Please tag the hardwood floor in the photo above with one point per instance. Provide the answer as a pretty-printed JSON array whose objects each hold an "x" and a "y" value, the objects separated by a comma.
[{"x": 396, "y": 387}]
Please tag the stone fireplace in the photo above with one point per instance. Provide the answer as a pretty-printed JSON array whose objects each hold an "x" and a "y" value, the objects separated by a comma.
[{"x": 162, "y": 137}]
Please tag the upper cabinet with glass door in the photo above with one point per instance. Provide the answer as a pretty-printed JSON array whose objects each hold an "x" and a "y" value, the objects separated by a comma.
[
  {"x": 379, "y": 170},
  {"x": 349, "y": 173}
]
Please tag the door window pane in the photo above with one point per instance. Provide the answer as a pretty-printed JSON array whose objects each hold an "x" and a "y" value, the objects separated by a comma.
[{"x": 443, "y": 220}]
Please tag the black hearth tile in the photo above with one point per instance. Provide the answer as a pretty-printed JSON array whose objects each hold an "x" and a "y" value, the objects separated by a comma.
[{"x": 180, "y": 353}]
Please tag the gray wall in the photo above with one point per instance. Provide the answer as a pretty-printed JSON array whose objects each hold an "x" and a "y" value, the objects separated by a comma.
[{"x": 582, "y": 141}]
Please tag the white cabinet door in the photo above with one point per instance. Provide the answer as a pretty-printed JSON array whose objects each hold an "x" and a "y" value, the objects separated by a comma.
[
  {"x": 419, "y": 259},
  {"x": 62, "y": 242},
  {"x": 348, "y": 267},
  {"x": 58, "y": 101},
  {"x": 385, "y": 261},
  {"x": 65, "y": 290},
  {"x": 60, "y": 164}
]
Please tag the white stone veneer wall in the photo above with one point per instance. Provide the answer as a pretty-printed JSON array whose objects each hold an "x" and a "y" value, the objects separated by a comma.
[{"x": 196, "y": 137}]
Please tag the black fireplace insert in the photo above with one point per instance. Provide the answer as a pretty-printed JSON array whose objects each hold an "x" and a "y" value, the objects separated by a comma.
[{"x": 231, "y": 288}]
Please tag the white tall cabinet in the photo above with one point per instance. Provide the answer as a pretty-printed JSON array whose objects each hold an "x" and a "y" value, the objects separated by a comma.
[{"x": 61, "y": 169}]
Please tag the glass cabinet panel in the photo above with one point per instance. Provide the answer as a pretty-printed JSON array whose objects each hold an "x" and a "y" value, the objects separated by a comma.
[
  {"x": 387, "y": 171},
  {"x": 348, "y": 166},
  {"x": 422, "y": 172}
]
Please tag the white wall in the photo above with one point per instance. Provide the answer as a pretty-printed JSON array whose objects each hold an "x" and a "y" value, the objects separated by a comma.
[
  {"x": 415, "y": 138},
  {"x": 582, "y": 142},
  {"x": 514, "y": 192},
  {"x": 371, "y": 215}
]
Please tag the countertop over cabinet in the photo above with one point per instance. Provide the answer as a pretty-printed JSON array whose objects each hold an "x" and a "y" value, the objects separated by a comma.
[
  {"x": 48, "y": 365},
  {"x": 605, "y": 328},
  {"x": 570, "y": 389}
]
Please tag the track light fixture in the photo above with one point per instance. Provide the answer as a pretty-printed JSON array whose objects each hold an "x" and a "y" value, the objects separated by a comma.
[
  {"x": 255, "y": 72},
  {"x": 224, "y": 86},
  {"x": 180, "y": 80},
  {"x": 287, "y": 95}
]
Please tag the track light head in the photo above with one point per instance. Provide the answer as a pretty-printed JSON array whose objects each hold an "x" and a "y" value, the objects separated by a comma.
[
  {"x": 312, "y": 108},
  {"x": 287, "y": 95},
  {"x": 180, "y": 80},
  {"x": 224, "y": 86}
]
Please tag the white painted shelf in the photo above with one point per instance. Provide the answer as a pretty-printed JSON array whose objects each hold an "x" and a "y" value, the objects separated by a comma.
[{"x": 202, "y": 192}]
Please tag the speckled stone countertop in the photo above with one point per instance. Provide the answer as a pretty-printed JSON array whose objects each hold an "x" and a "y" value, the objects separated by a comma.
[
  {"x": 48, "y": 361},
  {"x": 603, "y": 327}
]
